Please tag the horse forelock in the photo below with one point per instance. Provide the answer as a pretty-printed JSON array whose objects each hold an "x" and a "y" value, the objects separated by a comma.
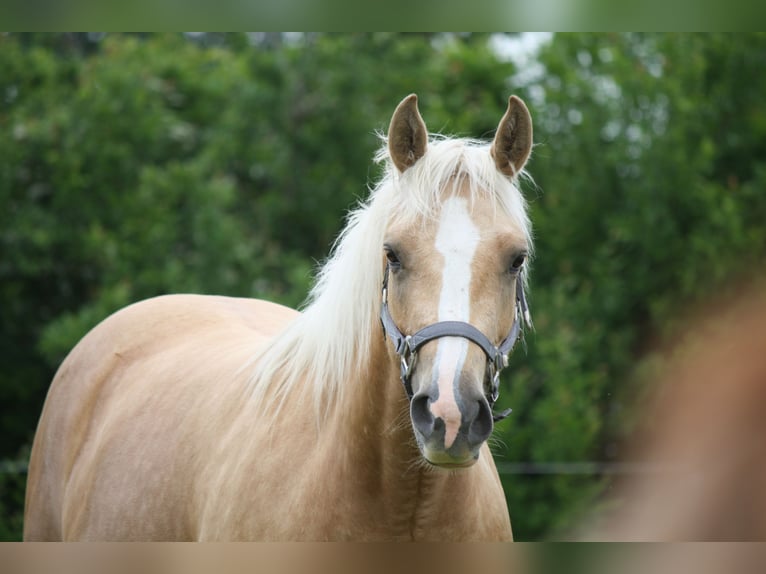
[
  {"x": 333, "y": 338},
  {"x": 449, "y": 166}
]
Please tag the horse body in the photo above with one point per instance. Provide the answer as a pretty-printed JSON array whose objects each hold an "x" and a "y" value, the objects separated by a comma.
[
  {"x": 159, "y": 443},
  {"x": 190, "y": 417}
]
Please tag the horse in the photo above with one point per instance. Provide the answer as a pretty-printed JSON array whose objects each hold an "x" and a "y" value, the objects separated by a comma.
[{"x": 364, "y": 417}]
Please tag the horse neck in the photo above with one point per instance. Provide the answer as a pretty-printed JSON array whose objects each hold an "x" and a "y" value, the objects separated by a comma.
[
  {"x": 367, "y": 437},
  {"x": 372, "y": 421}
]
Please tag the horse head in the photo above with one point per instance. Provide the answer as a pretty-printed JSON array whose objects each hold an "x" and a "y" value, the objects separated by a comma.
[{"x": 454, "y": 257}]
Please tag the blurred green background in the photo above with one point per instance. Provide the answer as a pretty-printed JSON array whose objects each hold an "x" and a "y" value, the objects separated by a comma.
[{"x": 136, "y": 165}]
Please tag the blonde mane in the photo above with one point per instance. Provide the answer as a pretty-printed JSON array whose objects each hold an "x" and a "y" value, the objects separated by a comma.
[{"x": 329, "y": 343}]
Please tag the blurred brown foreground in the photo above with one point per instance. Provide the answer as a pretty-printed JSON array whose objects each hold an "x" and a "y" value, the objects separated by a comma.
[{"x": 705, "y": 433}]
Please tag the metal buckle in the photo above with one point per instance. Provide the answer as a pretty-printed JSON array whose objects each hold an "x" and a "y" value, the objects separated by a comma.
[
  {"x": 407, "y": 355},
  {"x": 495, "y": 386},
  {"x": 493, "y": 376}
]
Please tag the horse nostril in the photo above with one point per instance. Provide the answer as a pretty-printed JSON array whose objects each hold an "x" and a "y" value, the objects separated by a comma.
[
  {"x": 421, "y": 415},
  {"x": 482, "y": 424}
]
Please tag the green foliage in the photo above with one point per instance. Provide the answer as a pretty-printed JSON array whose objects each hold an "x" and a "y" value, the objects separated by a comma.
[
  {"x": 12, "y": 484},
  {"x": 132, "y": 166},
  {"x": 13, "y": 478}
]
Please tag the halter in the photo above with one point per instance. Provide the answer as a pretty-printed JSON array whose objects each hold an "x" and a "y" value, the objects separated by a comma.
[{"x": 407, "y": 346}]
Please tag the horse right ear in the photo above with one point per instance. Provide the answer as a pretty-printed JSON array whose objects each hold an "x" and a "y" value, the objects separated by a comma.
[{"x": 407, "y": 134}]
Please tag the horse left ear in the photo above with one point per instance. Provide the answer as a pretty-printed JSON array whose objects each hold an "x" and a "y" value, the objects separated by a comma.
[
  {"x": 407, "y": 134},
  {"x": 513, "y": 140}
]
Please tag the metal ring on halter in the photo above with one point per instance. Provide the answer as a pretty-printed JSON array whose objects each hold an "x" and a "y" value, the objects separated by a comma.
[{"x": 408, "y": 357}]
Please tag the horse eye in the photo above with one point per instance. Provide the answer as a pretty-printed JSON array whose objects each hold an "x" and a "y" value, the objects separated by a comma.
[
  {"x": 518, "y": 262},
  {"x": 393, "y": 258}
]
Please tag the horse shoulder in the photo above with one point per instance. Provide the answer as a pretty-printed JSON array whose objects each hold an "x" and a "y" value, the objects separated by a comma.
[{"x": 173, "y": 359}]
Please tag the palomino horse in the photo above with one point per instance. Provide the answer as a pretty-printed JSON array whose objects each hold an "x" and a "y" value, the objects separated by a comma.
[{"x": 191, "y": 417}]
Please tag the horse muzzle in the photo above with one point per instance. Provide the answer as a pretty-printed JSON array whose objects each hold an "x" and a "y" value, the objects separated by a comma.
[{"x": 450, "y": 434}]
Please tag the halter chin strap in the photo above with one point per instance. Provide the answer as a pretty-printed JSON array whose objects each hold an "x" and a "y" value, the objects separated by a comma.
[{"x": 407, "y": 346}]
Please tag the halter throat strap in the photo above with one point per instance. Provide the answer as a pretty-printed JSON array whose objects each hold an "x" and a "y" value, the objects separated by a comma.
[{"x": 407, "y": 346}]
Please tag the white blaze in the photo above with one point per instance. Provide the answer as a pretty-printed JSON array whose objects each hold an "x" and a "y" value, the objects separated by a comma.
[{"x": 456, "y": 240}]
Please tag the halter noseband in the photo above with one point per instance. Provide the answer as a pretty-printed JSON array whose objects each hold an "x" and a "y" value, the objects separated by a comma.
[{"x": 407, "y": 346}]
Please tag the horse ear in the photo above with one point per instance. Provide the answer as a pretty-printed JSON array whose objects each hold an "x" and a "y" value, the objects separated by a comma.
[
  {"x": 513, "y": 140},
  {"x": 407, "y": 134}
]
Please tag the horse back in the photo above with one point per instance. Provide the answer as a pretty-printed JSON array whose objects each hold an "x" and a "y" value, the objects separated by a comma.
[{"x": 141, "y": 395}]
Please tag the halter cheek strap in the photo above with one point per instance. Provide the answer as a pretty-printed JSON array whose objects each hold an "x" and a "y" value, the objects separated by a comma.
[{"x": 407, "y": 346}]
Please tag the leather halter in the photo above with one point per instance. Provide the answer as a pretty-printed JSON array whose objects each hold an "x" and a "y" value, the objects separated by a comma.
[{"x": 407, "y": 346}]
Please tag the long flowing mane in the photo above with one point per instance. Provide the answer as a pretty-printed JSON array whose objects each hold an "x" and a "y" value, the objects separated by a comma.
[{"x": 329, "y": 343}]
